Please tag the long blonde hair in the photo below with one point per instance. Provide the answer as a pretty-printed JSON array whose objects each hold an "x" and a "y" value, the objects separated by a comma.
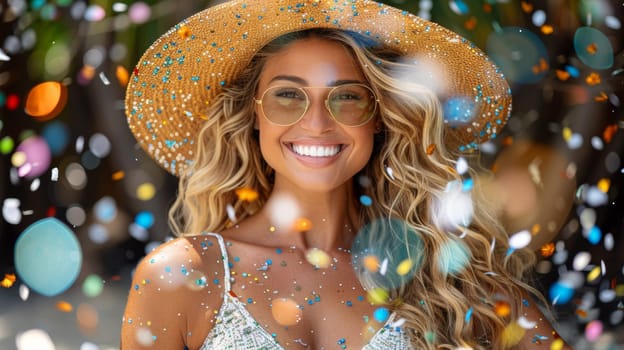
[{"x": 407, "y": 179}]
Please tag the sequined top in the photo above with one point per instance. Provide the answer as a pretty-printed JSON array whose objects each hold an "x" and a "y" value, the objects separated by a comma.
[{"x": 235, "y": 328}]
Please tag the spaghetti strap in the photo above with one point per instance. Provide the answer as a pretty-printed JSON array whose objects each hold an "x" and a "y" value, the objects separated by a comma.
[{"x": 225, "y": 258}]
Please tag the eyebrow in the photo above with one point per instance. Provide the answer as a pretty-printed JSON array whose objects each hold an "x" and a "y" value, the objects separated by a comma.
[{"x": 302, "y": 81}]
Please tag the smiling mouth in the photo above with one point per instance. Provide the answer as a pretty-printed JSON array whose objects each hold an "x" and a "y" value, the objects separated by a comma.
[{"x": 316, "y": 150}]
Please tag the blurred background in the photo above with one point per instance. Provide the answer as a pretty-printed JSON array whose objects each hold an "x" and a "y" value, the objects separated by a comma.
[{"x": 82, "y": 203}]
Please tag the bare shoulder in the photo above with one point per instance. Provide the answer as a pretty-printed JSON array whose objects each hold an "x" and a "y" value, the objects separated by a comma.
[
  {"x": 540, "y": 332},
  {"x": 175, "y": 293}
]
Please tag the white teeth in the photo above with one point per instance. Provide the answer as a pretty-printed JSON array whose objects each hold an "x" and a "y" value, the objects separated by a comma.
[{"x": 316, "y": 151}]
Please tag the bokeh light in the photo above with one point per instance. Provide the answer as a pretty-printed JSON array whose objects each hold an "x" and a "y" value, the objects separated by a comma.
[
  {"x": 395, "y": 247},
  {"x": 556, "y": 167},
  {"x": 519, "y": 53},
  {"x": 48, "y": 257},
  {"x": 46, "y": 100}
]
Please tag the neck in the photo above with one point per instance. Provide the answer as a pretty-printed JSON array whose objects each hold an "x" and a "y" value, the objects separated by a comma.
[{"x": 331, "y": 218}]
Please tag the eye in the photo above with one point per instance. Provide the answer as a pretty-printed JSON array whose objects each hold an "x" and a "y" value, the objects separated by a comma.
[
  {"x": 288, "y": 93},
  {"x": 350, "y": 93}
]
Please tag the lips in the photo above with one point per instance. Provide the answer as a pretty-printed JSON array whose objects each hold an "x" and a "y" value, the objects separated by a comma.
[{"x": 317, "y": 151}]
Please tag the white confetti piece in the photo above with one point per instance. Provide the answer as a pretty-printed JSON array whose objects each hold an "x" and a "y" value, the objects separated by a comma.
[
  {"x": 461, "y": 166},
  {"x": 4, "y": 56},
  {"x": 104, "y": 79},
  {"x": 54, "y": 175},
  {"x": 384, "y": 267},
  {"x": 390, "y": 172},
  {"x": 24, "y": 292},
  {"x": 520, "y": 240}
]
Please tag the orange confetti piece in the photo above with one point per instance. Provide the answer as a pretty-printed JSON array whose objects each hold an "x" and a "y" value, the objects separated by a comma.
[
  {"x": 371, "y": 263},
  {"x": 526, "y": 7},
  {"x": 602, "y": 97},
  {"x": 471, "y": 23},
  {"x": 87, "y": 72},
  {"x": 604, "y": 185},
  {"x": 502, "y": 308},
  {"x": 608, "y": 132},
  {"x": 593, "y": 79},
  {"x": 64, "y": 306},
  {"x": 487, "y": 8},
  {"x": 302, "y": 225},
  {"x": 547, "y": 249},
  {"x": 430, "y": 149},
  {"x": 562, "y": 75},
  {"x": 184, "y": 32},
  {"x": 46, "y": 100},
  {"x": 542, "y": 67},
  {"x": 592, "y": 48},
  {"x": 547, "y": 29},
  {"x": 122, "y": 75},
  {"x": 581, "y": 312},
  {"x": 508, "y": 141},
  {"x": 286, "y": 312},
  {"x": 536, "y": 229},
  {"x": 246, "y": 194},
  {"x": 8, "y": 281},
  {"x": 118, "y": 175}
]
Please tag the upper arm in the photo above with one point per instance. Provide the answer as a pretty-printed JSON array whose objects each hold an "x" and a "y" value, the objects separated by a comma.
[{"x": 168, "y": 301}]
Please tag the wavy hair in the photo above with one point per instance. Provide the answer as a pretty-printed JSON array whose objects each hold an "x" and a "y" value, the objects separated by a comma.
[{"x": 407, "y": 182}]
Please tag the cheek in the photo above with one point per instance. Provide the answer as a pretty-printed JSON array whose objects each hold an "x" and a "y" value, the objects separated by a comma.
[{"x": 365, "y": 148}]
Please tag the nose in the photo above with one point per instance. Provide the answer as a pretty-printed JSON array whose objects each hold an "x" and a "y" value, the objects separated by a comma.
[{"x": 317, "y": 118}]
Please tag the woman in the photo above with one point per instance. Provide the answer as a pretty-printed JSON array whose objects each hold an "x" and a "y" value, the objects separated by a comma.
[{"x": 315, "y": 172}]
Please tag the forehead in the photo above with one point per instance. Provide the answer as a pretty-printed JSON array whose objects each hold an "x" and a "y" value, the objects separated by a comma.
[{"x": 317, "y": 61}]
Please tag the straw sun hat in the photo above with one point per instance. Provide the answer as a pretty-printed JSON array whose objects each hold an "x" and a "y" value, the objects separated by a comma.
[{"x": 181, "y": 73}]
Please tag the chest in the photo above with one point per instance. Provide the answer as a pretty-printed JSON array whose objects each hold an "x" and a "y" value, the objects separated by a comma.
[{"x": 303, "y": 305}]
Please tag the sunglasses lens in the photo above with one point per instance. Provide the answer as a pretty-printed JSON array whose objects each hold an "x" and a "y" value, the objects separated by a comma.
[
  {"x": 284, "y": 105},
  {"x": 352, "y": 104}
]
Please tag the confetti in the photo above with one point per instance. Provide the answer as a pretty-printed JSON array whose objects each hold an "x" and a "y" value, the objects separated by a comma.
[
  {"x": 520, "y": 240},
  {"x": 371, "y": 263},
  {"x": 8, "y": 281},
  {"x": 593, "y": 330},
  {"x": 46, "y": 100},
  {"x": 502, "y": 308},
  {"x": 593, "y": 79},
  {"x": 302, "y": 225},
  {"x": 512, "y": 334},
  {"x": 64, "y": 306},
  {"x": 378, "y": 296},
  {"x": 104, "y": 79},
  {"x": 404, "y": 267},
  {"x": 286, "y": 312},
  {"x": 381, "y": 314},
  {"x": 246, "y": 194},
  {"x": 318, "y": 258},
  {"x": 58, "y": 256},
  {"x": 122, "y": 76}
]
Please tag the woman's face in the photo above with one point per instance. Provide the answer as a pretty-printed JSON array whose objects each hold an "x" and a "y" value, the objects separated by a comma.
[{"x": 316, "y": 153}]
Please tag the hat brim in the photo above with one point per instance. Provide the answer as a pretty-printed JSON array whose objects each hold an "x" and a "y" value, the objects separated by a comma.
[{"x": 182, "y": 72}]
